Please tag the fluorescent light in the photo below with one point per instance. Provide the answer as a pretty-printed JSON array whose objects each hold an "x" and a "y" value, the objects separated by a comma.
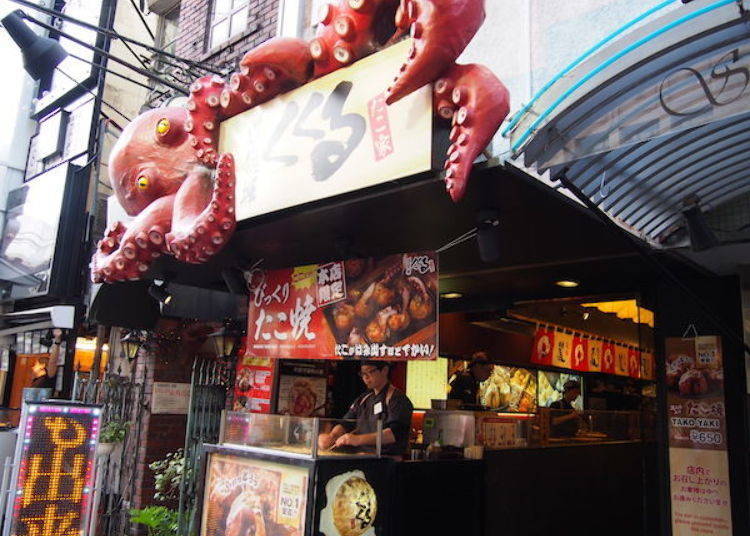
[
  {"x": 452, "y": 295},
  {"x": 567, "y": 283}
]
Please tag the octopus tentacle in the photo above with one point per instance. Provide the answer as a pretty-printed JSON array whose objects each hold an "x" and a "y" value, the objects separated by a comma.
[
  {"x": 127, "y": 253},
  {"x": 205, "y": 115},
  {"x": 477, "y": 102},
  {"x": 350, "y": 30},
  {"x": 441, "y": 30},
  {"x": 204, "y": 216},
  {"x": 273, "y": 68}
]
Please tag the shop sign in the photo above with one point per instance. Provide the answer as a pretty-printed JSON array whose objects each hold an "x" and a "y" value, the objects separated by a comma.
[
  {"x": 253, "y": 385},
  {"x": 699, "y": 467},
  {"x": 544, "y": 340},
  {"x": 563, "y": 347},
  {"x": 385, "y": 308},
  {"x": 54, "y": 472},
  {"x": 170, "y": 398},
  {"x": 243, "y": 492},
  {"x": 595, "y": 355},
  {"x": 331, "y": 136},
  {"x": 580, "y": 359}
]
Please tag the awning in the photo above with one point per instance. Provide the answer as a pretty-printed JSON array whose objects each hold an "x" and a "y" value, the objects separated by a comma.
[
  {"x": 57, "y": 316},
  {"x": 654, "y": 118}
]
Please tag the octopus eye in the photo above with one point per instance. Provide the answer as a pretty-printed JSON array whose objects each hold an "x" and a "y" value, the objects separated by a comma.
[
  {"x": 162, "y": 127},
  {"x": 142, "y": 182}
]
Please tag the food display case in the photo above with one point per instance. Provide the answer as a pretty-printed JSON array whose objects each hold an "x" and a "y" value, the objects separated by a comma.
[
  {"x": 559, "y": 427},
  {"x": 268, "y": 476}
]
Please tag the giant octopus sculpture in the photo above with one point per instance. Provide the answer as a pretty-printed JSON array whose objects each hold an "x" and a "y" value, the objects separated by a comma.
[{"x": 166, "y": 169}]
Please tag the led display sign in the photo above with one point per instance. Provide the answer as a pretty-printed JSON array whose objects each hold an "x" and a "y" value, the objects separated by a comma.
[{"x": 54, "y": 470}]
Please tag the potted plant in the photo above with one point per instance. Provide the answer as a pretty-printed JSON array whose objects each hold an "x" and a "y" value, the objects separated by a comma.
[{"x": 112, "y": 433}]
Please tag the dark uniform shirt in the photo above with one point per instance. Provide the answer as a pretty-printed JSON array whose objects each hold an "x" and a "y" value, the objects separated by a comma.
[
  {"x": 465, "y": 388},
  {"x": 396, "y": 410},
  {"x": 567, "y": 428}
]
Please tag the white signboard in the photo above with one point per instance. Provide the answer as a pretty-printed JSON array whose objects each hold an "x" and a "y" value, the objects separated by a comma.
[
  {"x": 171, "y": 398},
  {"x": 331, "y": 136}
]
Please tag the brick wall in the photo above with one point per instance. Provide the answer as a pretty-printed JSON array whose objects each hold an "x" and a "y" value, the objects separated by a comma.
[{"x": 193, "y": 39}]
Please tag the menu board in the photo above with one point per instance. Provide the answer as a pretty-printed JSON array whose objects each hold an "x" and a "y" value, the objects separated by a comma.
[
  {"x": 246, "y": 496},
  {"x": 426, "y": 381},
  {"x": 510, "y": 389},
  {"x": 303, "y": 396},
  {"x": 551, "y": 386},
  {"x": 699, "y": 467},
  {"x": 385, "y": 308}
]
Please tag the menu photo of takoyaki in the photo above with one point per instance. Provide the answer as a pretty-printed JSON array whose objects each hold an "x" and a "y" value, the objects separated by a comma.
[
  {"x": 510, "y": 389},
  {"x": 686, "y": 378},
  {"x": 243, "y": 498},
  {"x": 302, "y": 396},
  {"x": 387, "y": 301},
  {"x": 351, "y": 506}
]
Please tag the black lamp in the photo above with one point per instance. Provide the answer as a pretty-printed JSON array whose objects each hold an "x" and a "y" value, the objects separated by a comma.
[
  {"x": 131, "y": 343},
  {"x": 702, "y": 236},
  {"x": 224, "y": 340},
  {"x": 40, "y": 54},
  {"x": 158, "y": 291}
]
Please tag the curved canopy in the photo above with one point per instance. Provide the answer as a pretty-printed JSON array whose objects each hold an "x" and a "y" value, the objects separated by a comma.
[{"x": 652, "y": 121}]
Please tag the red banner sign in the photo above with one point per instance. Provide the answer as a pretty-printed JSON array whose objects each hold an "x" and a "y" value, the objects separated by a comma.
[
  {"x": 608, "y": 358},
  {"x": 355, "y": 309},
  {"x": 580, "y": 359},
  {"x": 544, "y": 344}
]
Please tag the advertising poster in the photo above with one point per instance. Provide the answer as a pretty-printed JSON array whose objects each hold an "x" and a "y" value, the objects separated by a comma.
[
  {"x": 699, "y": 472},
  {"x": 246, "y": 496},
  {"x": 552, "y": 385},
  {"x": 170, "y": 398},
  {"x": 561, "y": 355},
  {"x": 385, "y": 308},
  {"x": 595, "y": 348},
  {"x": 580, "y": 358},
  {"x": 544, "y": 341},
  {"x": 302, "y": 396},
  {"x": 54, "y": 475},
  {"x": 509, "y": 389},
  {"x": 253, "y": 385}
]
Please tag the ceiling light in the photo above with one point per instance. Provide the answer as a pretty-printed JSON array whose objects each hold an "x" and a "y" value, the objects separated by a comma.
[
  {"x": 452, "y": 295},
  {"x": 586, "y": 315},
  {"x": 567, "y": 283},
  {"x": 159, "y": 293}
]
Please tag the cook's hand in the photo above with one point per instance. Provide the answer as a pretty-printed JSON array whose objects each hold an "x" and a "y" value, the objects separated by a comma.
[
  {"x": 350, "y": 440},
  {"x": 325, "y": 441}
]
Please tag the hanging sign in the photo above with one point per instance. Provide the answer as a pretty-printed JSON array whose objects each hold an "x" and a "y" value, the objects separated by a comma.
[
  {"x": 561, "y": 356},
  {"x": 621, "y": 360},
  {"x": 54, "y": 473},
  {"x": 634, "y": 363},
  {"x": 608, "y": 358},
  {"x": 699, "y": 468},
  {"x": 383, "y": 308},
  {"x": 580, "y": 359},
  {"x": 544, "y": 340},
  {"x": 331, "y": 136},
  {"x": 647, "y": 366},
  {"x": 595, "y": 355}
]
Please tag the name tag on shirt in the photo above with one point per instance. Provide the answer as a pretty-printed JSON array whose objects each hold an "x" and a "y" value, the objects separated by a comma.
[{"x": 377, "y": 409}]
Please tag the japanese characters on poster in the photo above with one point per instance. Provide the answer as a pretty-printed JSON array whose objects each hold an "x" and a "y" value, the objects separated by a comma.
[
  {"x": 253, "y": 385},
  {"x": 699, "y": 472},
  {"x": 243, "y": 492},
  {"x": 383, "y": 308}
]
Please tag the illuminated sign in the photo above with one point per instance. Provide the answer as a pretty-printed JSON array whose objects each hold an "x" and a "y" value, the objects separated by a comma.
[{"x": 54, "y": 472}]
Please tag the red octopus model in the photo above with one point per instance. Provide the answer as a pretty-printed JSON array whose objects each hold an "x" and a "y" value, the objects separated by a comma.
[{"x": 162, "y": 168}]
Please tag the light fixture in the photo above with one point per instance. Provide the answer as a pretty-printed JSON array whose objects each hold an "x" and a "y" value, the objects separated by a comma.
[
  {"x": 702, "y": 236},
  {"x": 452, "y": 295},
  {"x": 158, "y": 291},
  {"x": 131, "y": 343},
  {"x": 224, "y": 340},
  {"x": 586, "y": 315},
  {"x": 41, "y": 55},
  {"x": 488, "y": 234},
  {"x": 567, "y": 283}
]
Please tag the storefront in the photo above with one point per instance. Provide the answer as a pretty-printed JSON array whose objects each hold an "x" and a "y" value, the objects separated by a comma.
[{"x": 348, "y": 249}]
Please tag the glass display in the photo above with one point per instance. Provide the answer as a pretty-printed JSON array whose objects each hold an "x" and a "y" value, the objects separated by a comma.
[
  {"x": 510, "y": 389},
  {"x": 568, "y": 426},
  {"x": 551, "y": 386},
  {"x": 286, "y": 433}
]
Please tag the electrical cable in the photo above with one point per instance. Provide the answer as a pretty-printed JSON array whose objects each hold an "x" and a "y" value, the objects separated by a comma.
[
  {"x": 645, "y": 251},
  {"x": 114, "y": 73},
  {"x": 468, "y": 235},
  {"x": 106, "y": 54},
  {"x": 51, "y": 12},
  {"x": 77, "y": 83},
  {"x": 143, "y": 20}
]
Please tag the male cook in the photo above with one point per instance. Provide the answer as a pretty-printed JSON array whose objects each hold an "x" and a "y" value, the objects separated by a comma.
[
  {"x": 465, "y": 386},
  {"x": 381, "y": 402}
]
